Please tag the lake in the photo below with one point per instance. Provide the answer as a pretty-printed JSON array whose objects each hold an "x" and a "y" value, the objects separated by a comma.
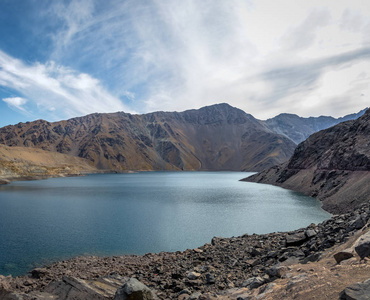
[{"x": 115, "y": 214}]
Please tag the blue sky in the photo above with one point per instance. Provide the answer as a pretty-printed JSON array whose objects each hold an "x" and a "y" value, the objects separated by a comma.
[{"x": 61, "y": 59}]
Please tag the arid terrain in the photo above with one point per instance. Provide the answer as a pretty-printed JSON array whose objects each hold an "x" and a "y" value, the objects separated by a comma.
[
  {"x": 19, "y": 163},
  {"x": 218, "y": 137}
]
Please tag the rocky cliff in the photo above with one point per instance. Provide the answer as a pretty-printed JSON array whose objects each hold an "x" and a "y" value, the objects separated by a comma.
[
  {"x": 218, "y": 137},
  {"x": 299, "y": 129},
  {"x": 332, "y": 164}
]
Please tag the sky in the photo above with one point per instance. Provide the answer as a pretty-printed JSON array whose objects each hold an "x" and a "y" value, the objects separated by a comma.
[{"x": 62, "y": 59}]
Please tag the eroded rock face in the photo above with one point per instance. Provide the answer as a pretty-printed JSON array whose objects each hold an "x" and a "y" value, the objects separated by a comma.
[{"x": 333, "y": 165}]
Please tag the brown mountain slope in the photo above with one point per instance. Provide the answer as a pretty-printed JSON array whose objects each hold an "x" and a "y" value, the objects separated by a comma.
[
  {"x": 218, "y": 137},
  {"x": 17, "y": 163},
  {"x": 333, "y": 164}
]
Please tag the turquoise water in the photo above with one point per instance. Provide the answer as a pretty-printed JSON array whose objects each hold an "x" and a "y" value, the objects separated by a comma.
[{"x": 115, "y": 214}]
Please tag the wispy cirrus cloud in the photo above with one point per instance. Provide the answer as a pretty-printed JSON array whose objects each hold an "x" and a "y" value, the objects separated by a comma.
[
  {"x": 55, "y": 88},
  {"x": 176, "y": 55},
  {"x": 265, "y": 57},
  {"x": 16, "y": 102}
]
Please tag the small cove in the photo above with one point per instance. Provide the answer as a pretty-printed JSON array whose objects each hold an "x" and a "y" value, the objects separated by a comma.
[{"x": 116, "y": 214}]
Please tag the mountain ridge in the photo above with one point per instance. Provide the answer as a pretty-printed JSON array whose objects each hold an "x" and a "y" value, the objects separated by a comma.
[
  {"x": 299, "y": 129},
  {"x": 217, "y": 137},
  {"x": 332, "y": 164}
]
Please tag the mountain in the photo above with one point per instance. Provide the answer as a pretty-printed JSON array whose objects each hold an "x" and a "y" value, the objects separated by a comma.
[
  {"x": 298, "y": 129},
  {"x": 19, "y": 163},
  {"x": 332, "y": 164},
  {"x": 217, "y": 137}
]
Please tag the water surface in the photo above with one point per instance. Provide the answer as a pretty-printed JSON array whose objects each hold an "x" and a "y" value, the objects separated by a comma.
[{"x": 116, "y": 214}]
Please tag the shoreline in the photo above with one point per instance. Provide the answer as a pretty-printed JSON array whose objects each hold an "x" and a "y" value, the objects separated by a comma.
[
  {"x": 54, "y": 261},
  {"x": 223, "y": 264}
]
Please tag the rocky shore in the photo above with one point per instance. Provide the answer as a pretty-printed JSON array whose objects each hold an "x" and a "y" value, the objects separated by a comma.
[{"x": 227, "y": 268}]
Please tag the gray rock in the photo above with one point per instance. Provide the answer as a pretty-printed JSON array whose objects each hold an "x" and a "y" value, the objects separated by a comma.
[
  {"x": 312, "y": 257},
  {"x": 296, "y": 279},
  {"x": 35, "y": 296},
  {"x": 276, "y": 271},
  {"x": 193, "y": 275},
  {"x": 70, "y": 288},
  {"x": 195, "y": 296},
  {"x": 210, "y": 278},
  {"x": 264, "y": 290},
  {"x": 310, "y": 233},
  {"x": 290, "y": 261},
  {"x": 39, "y": 273},
  {"x": 185, "y": 291},
  {"x": 133, "y": 289},
  {"x": 244, "y": 297},
  {"x": 299, "y": 254},
  {"x": 11, "y": 296},
  {"x": 343, "y": 255},
  {"x": 357, "y": 291},
  {"x": 253, "y": 282},
  {"x": 357, "y": 223},
  {"x": 362, "y": 247},
  {"x": 295, "y": 239},
  {"x": 255, "y": 252}
]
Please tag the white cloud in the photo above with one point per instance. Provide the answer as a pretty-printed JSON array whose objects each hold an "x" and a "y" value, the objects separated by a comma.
[
  {"x": 16, "y": 102},
  {"x": 265, "y": 57},
  {"x": 56, "y": 88}
]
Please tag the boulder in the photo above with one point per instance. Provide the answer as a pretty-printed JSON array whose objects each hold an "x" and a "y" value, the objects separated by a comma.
[
  {"x": 39, "y": 273},
  {"x": 296, "y": 239},
  {"x": 133, "y": 289},
  {"x": 357, "y": 291},
  {"x": 357, "y": 223},
  {"x": 362, "y": 245},
  {"x": 193, "y": 275},
  {"x": 253, "y": 282},
  {"x": 310, "y": 233},
  {"x": 276, "y": 271},
  {"x": 74, "y": 288},
  {"x": 343, "y": 255},
  {"x": 312, "y": 257}
]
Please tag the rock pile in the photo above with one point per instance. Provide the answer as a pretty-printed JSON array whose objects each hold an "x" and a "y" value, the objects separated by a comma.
[{"x": 248, "y": 261}]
